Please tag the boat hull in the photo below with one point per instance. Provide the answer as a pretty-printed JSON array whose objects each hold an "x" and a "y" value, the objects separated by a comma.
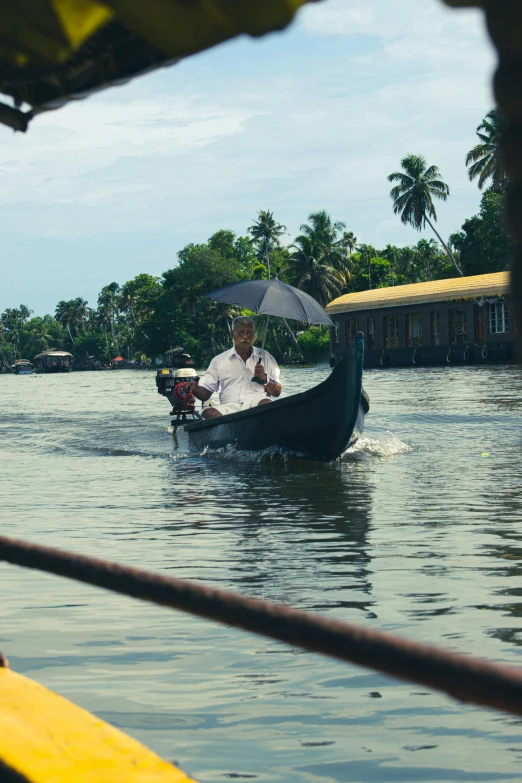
[{"x": 319, "y": 423}]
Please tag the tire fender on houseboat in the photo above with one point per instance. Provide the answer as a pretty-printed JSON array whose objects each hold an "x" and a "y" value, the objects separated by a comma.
[
  {"x": 450, "y": 357},
  {"x": 467, "y": 356},
  {"x": 416, "y": 359},
  {"x": 485, "y": 353},
  {"x": 384, "y": 361},
  {"x": 506, "y": 352}
]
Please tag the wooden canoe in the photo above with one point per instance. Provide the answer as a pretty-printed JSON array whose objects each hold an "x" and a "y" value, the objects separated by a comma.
[{"x": 319, "y": 423}]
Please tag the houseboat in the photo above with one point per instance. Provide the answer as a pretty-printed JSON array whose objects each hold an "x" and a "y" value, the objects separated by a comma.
[
  {"x": 22, "y": 367},
  {"x": 53, "y": 361},
  {"x": 460, "y": 320}
]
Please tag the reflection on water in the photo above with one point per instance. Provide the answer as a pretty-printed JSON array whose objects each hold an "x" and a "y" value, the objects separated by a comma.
[{"x": 415, "y": 530}]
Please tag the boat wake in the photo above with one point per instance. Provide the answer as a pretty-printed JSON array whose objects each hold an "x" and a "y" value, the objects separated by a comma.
[
  {"x": 272, "y": 454},
  {"x": 364, "y": 448},
  {"x": 369, "y": 447}
]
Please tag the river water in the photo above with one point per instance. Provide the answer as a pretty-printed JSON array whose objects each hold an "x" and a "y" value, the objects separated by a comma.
[{"x": 417, "y": 531}]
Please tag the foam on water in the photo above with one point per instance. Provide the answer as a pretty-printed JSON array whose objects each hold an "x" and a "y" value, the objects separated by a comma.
[
  {"x": 230, "y": 452},
  {"x": 389, "y": 447},
  {"x": 364, "y": 447}
]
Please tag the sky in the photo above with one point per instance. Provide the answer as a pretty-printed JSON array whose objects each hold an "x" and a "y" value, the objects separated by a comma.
[{"x": 311, "y": 118}]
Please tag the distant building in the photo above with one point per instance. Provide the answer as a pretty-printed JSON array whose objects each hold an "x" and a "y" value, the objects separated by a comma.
[{"x": 463, "y": 319}]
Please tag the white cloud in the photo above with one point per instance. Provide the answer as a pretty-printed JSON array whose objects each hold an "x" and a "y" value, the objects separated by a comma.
[
  {"x": 87, "y": 137},
  {"x": 429, "y": 19}
]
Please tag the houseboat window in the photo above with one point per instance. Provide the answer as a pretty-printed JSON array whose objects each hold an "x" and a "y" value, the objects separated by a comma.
[
  {"x": 391, "y": 331},
  {"x": 458, "y": 327},
  {"x": 335, "y": 332},
  {"x": 414, "y": 329},
  {"x": 497, "y": 317},
  {"x": 352, "y": 327},
  {"x": 435, "y": 327},
  {"x": 371, "y": 332}
]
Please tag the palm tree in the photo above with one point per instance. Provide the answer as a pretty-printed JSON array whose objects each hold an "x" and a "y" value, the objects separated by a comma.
[
  {"x": 413, "y": 196},
  {"x": 319, "y": 259},
  {"x": 64, "y": 314},
  {"x": 82, "y": 313},
  {"x": 366, "y": 253},
  {"x": 108, "y": 307},
  {"x": 485, "y": 160},
  {"x": 265, "y": 233},
  {"x": 391, "y": 254},
  {"x": 349, "y": 241},
  {"x": 427, "y": 250},
  {"x": 310, "y": 271},
  {"x": 13, "y": 321}
]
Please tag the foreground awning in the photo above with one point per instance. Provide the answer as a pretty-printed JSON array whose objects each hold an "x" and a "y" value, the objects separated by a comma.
[{"x": 52, "y": 52}]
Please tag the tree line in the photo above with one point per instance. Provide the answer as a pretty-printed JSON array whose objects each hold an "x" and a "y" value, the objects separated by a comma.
[{"x": 147, "y": 315}]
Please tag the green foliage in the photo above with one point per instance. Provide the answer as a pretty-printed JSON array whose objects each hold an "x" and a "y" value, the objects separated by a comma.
[
  {"x": 12, "y": 324},
  {"x": 369, "y": 270},
  {"x": 319, "y": 262},
  {"x": 148, "y": 315},
  {"x": 315, "y": 344},
  {"x": 92, "y": 343},
  {"x": 483, "y": 243},
  {"x": 40, "y": 334}
]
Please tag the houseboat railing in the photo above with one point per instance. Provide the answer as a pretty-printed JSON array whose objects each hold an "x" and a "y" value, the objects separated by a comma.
[{"x": 464, "y": 678}]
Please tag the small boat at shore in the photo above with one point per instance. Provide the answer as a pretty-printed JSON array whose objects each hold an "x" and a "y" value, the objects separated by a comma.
[
  {"x": 23, "y": 367},
  {"x": 320, "y": 423}
]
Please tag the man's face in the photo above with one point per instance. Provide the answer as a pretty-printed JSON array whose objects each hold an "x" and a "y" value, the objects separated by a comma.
[{"x": 243, "y": 336}]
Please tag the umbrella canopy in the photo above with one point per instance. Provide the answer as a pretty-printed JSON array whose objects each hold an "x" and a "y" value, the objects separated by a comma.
[
  {"x": 118, "y": 359},
  {"x": 273, "y": 297}
]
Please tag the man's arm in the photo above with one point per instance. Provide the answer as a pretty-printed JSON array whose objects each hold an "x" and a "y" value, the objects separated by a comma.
[
  {"x": 209, "y": 383},
  {"x": 272, "y": 387},
  {"x": 198, "y": 391}
]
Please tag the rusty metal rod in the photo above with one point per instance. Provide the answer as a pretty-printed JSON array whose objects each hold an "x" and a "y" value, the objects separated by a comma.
[{"x": 465, "y": 678}]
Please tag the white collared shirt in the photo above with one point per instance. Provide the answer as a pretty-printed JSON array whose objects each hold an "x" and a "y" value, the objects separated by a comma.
[{"x": 229, "y": 374}]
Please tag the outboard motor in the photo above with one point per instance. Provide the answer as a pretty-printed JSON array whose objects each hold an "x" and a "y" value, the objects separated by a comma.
[{"x": 170, "y": 383}]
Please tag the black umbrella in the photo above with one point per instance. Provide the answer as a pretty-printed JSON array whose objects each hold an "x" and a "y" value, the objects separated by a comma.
[{"x": 272, "y": 297}]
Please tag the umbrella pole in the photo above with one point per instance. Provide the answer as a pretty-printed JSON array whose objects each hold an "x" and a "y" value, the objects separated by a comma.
[{"x": 260, "y": 361}]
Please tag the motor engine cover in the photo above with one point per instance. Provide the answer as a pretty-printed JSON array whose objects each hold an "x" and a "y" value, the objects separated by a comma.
[{"x": 167, "y": 379}]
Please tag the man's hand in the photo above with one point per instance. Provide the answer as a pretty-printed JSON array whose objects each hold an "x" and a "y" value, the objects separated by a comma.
[
  {"x": 190, "y": 386},
  {"x": 260, "y": 373},
  {"x": 199, "y": 392}
]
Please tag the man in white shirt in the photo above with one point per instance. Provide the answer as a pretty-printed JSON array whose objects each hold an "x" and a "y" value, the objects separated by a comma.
[{"x": 231, "y": 374}]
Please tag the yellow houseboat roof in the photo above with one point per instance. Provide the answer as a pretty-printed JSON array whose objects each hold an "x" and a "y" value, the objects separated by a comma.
[{"x": 417, "y": 293}]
